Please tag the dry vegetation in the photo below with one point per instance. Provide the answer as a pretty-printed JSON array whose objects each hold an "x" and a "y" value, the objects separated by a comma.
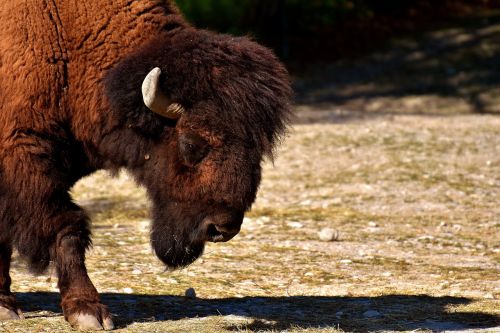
[{"x": 415, "y": 199}]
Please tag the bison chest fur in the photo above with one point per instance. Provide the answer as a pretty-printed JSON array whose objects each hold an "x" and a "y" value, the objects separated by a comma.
[{"x": 88, "y": 85}]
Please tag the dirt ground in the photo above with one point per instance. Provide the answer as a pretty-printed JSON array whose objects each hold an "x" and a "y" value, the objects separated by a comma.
[{"x": 412, "y": 188}]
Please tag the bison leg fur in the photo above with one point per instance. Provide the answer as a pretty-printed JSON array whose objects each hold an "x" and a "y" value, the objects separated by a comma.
[
  {"x": 80, "y": 300},
  {"x": 8, "y": 306}
]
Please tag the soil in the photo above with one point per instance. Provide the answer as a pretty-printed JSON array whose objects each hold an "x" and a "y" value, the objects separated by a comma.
[{"x": 398, "y": 153}]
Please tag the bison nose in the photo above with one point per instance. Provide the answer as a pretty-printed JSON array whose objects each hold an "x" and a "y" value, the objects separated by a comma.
[{"x": 219, "y": 233}]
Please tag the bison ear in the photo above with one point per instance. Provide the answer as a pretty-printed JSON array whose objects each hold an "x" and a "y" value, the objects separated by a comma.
[{"x": 156, "y": 100}]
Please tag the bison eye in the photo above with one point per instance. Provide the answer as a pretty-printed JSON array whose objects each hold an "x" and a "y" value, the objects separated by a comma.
[{"x": 192, "y": 148}]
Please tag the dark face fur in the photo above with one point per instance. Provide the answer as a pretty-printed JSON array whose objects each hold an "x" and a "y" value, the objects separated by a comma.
[
  {"x": 204, "y": 169},
  {"x": 208, "y": 180}
]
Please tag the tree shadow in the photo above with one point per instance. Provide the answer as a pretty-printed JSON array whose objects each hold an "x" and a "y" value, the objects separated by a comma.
[
  {"x": 458, "y": 63},
  {"x": 390, "y": 312}
]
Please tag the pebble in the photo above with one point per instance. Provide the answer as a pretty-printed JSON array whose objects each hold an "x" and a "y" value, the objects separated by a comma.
[
  {"x": 144, "y": 225},
  {"x": 190, "y": 293},
  {"x": 328, "y": 235},
  {"x": 294, "y": 224},
  {"x": 372, "y": 224},
  {"x": 336, "y": 201},
  {"x": 128, "y": 290},
  {"x": 136, "y": 272},
  {"x": 263, "y": 219},
  {"x": 372, "y": 314}
]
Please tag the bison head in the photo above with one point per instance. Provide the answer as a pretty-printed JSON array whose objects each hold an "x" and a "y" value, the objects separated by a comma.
[{"x": 211, "y": 107}]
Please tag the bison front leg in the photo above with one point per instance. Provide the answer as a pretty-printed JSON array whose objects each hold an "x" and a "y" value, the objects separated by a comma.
[
  {"x": 80, "y": 300},
  {"x": 8, "y": 306},
  {"x": 48, "y": 226}
]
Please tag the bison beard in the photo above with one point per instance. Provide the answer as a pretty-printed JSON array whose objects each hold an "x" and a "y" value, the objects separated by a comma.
[
  {"x": 177, "y": 235},
  {"x": 71, "y": 104},
  {"x": 180, "y": 230}
]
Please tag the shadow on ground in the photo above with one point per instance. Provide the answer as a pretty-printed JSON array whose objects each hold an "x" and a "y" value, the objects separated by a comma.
[
  {"x": 391, "y": 312},
  {"x": 450, "y": 70}
]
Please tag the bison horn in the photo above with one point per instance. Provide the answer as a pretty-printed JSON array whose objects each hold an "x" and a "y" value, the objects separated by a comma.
[{"x": 156, "y": 100}]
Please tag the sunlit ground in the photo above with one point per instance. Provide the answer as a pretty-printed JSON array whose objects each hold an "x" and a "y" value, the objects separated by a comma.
[
  {"x": 411, "y": 183},
  {"x": 415, "y": 202}
]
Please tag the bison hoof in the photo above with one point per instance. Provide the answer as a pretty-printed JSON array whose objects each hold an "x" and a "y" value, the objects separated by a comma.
[
  {"x": 87, "y": 322},
  {"x": 7, "y": 314}
]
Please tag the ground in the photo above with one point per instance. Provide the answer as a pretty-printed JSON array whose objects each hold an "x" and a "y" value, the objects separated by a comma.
[{"x": 412, "y": 188}]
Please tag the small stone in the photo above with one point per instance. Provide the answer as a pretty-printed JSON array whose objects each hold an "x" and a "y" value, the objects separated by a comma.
[
  {"x": 294, "y": 224},
  {"x": 372, "y": 224},
  {"x": 263, "y": 219},
  {"x": 136, "y": 272},
  {"x": 489, "y": 296},
  {"x": 128, "y": 290},
  {"x": 328, "y": 235},
  {"x": 190, "y": 293},
  {"x": 337, "y": 201},
  {"x": 372, "y": 314},
  {"x": 346, "y": 261},
  {"x": 144, "y": 225}
]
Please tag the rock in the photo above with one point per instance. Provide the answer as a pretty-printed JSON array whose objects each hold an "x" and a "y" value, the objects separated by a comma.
[
  {"x": 489, "y": 296},
  {"x": 372, "y": 224},
  {"x": 294, "y": 224},
  {"x": 372, "y": 314},
  {"x": 190, "y": 293},
  {"x": 263, "y": 219},
  {"x": 337, "y": 201},
  {"x": 7, "y": 314},
  {"x": 128, "y": 290},
  {"x": 136, "y": 272},
  {"x": 328, "y": 235}
]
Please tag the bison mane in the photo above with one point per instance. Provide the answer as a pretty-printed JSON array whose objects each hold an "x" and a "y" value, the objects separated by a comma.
[{"x": 238, "y": 84}]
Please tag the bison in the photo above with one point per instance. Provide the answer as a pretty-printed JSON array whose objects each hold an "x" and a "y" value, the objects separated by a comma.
[{"x": 112, "y": 84}]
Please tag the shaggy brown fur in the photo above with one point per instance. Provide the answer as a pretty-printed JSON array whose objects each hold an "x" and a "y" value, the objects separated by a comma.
[{"x": 70, "y": 104}]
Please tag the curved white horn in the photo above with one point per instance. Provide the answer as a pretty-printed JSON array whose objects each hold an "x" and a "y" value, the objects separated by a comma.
[{"x": 156, "y": 100}]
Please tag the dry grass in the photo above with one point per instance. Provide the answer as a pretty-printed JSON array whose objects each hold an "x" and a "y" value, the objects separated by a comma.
[{"x": 414, "y": 198}]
